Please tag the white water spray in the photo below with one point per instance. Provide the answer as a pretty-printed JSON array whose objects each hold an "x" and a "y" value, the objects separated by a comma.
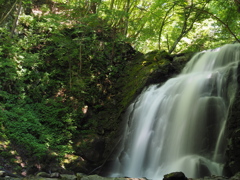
[{"x": 180, "y": 125}]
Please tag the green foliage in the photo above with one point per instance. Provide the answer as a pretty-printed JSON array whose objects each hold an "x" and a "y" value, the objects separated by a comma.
[
  {"x": 35, "y": 128},
  {"x": 50, "y": 71}
]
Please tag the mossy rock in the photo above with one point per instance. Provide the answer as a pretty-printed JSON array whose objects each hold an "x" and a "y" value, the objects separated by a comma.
[
  {"x": 139, "y": 71},
  {"x": 157, "y": 55},
  {"x": 175, "y": 176}
]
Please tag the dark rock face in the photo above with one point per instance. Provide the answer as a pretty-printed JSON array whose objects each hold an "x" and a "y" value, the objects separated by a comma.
[
  {"x": 175, "y": 176},
  {"x": 233, "y": 135},
  {"x": 168, "y": 66}
]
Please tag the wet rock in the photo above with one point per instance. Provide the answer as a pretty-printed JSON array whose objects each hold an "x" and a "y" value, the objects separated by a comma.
[
  {"x": 157, "y": 55},
  {"x": 214, "y": 177},
  {"x": 236, "y": 176},
  {"x": 80, "y": 175},
  {"x": 55, "y": 175},
  {"x": 93, "y": 177},
  {"x": 2, "y": 173},
  {"x": 5, "y": 174},
  {"x": 92, "y": 149},
  {"x": 175, "y": 176},
  {"x": 96, "y": 177},
  {"x": 43, "y": 174},
  {"x": 233, "y": 134},
  {"x": 233, "y": 151},
  {"x": 68, "y": 177}
]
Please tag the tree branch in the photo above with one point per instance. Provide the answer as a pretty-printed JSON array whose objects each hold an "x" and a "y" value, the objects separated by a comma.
[
  {"x": 218, "y": 19},
  {"x": 185, "y": 28},
  {"x": 162, "y": 25}
]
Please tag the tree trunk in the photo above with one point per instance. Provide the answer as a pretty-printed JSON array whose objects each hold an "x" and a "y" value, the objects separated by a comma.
[
  {"x": 8, "y": 13},
  {"x": 111, "y": 5},
  {"x": 127, "y": 17},
  {"x": 16, "y": 19}
]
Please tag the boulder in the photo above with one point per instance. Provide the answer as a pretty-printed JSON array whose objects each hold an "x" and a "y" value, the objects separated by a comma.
[
  {"x": 43, "y": 174},
  {"x": 91, "y": 148},
  {"x": 2, "y": 173},
  {"x": 68, "y": 177},
  {"x": 96, "y": 177},
  {"x": 175, "y": 176},
  {"x": 80, "y": 175},
  {"x": 55, "y": 175}
]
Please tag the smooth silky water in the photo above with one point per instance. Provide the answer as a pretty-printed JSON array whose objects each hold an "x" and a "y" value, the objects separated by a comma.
[{"x": 179, "y": 126}]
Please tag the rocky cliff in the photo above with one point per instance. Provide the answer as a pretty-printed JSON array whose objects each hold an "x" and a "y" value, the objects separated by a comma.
[{"x": 233, "y": 135}]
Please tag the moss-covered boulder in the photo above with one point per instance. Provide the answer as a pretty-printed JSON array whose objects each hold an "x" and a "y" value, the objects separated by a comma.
[
  {"x": 151, "y": 68},
  {"x": 175, "y": 176}
]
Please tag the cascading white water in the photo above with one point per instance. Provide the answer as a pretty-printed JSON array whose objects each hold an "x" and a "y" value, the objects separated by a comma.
[{"x": 180, "y": 125}]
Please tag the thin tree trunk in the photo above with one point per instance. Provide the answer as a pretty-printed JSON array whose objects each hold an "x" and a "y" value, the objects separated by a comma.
[
  {"x": 16, "y": 19},
  {"x": 127, "y": 8},
  {"x": 139, "y": 31},
  {"x": 111, "y": 5},
  {"x": 1, "y": 21},
  {"x": 80, "y": 59}
]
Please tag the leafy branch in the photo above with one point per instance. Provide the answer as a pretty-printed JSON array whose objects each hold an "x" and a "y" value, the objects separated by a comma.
[
  {"x": 222, "y": 22},
  {"x": 163, "y": 24},
  {"x": 185, "y": 28}
]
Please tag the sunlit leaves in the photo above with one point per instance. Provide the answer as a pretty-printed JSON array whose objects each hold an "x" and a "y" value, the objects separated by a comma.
[{"x": 162, "y": 24}]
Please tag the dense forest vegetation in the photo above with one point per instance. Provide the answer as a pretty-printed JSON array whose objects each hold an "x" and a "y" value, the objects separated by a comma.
[{"x": 60, "y": 61}]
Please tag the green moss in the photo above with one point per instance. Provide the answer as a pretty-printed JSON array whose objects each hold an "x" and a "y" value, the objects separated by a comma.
[{"x": 138, "y": 72}]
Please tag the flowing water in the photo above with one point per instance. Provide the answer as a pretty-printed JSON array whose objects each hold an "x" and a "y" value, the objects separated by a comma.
[{"x": 179, "y": 126}]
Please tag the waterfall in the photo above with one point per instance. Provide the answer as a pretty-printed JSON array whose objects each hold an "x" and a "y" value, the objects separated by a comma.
[{"x": 180, "y": 125}]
